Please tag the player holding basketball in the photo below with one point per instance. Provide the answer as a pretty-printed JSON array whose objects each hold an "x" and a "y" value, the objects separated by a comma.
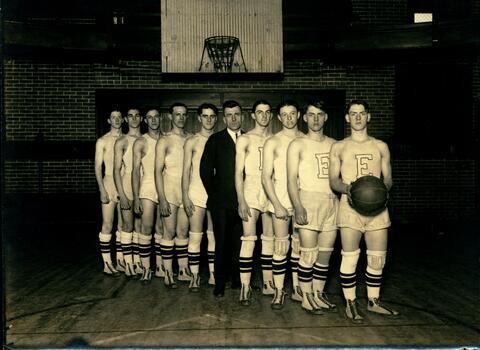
[
  {"x": 315, "y": 207},
  {"x": 195, "y": 196},
  {"x": 123, "y": 161},
  {"x": 356, "y": 156},
  {"x": 252, "y": 200},
  {"x": 144, "y": 192},
  {"x": 168, "y": 181},
  {"x": 104, "y": 149},
  {"x": 274, "y": 180}
]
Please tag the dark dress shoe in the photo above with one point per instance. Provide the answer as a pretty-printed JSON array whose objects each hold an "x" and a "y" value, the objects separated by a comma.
[{"x": 218, "y": 293}]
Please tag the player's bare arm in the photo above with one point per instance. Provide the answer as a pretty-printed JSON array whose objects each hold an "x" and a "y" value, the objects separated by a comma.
[
  {"x": 336, "y": 182},
  {"x": 99, "y": 150},
  {"x": 161, "y": 150},
  {"x": 138, "y": 153},
  {"x": 267, "y": 178},
  {"x": 188, "y": 150},
  {"x": 119, "y": 151},
  {"x": 241, "y": 150},
  {"x": 386, "y": 165},
  {"x": 293, "y": 159}
]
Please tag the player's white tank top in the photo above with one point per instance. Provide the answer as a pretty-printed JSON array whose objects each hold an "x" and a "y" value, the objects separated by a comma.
[
  {"x": 128, "y": 155},
  {"x": 314, "y": 165},
  {"x": 360, "y": 159},
  {"x": 148, "y": 160},
  {"x": 254, "y": 158},
  {"x": 174, "y": 157},
  {"x": 280, "y": 162},
  {"x": 108, "y": 154},
  {"x": 195, "y": 180}
]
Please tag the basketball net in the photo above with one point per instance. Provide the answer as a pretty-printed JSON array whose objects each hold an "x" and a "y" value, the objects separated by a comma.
[{"x": 221, "y": 51}]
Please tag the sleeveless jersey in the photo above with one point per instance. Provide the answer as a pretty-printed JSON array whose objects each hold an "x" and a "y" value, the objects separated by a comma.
[
  {"x": 174, "y": 158},
  {"x": 148, "y": 160},
  {"x": 280, "y": 162},
  {"x": 360, "y": 159},
  {"x": 254, "y": 158},
  {"x": 108, "y": 155},
  {"x": 195, "y": 180},
  {"x": 314, "y": 165},
  {"x": 127, "y": 159}
]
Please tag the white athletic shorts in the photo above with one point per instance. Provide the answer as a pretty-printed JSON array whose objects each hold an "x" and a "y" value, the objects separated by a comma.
[
  {"x": 349, "y": 217},
  {"x": 109, "y": 185},
  {"x": 284, "y": 198},
  {"x": 255, "y": 195},
  {"x": 173, "y": 189},
  {"x": 198, "y": 196},
  {"x": 321, "y": 210},
  {"x": 148, "y": 190}
]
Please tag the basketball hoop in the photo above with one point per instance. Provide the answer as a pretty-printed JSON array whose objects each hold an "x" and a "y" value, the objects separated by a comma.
[{"x": 221, "y": 51}]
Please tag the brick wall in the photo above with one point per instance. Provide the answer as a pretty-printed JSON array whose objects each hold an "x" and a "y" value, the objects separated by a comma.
[{"x": 58, "y": 100}]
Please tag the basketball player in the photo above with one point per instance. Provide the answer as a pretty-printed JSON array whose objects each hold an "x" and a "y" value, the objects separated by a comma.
[
  {"x": 356, "y": 156},
  {"x": 252, "y": 200},
  {"x": 168, "y": 181},
  {"x": 123, "y": 162},
  {"x": 274, "y": 180},
  {"x": 315, "y": 207},
  {"x": 144, "y": 192},
  {"x": 104, "y": 149},
  {"x": 195, "y": 197}
]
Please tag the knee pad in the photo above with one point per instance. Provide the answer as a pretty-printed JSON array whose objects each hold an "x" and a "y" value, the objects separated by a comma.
[
  {"x": 349, "y": 261},
  {"x": 295, "y": 243},
  {"x": 158, "y": 237},
  {"x": 308, "y": 256},
  {"x": 135, "y": 237},
  {"x": 376, "y": 259},
  {"x": 126, "y": 237},
  {"x": 181, "y": 241},
  {"x": 267, "y": 245},
  {"x": 248, "y": 245},
  {"x": 144, "y": 239},
  {"x": 281, "y": 245},
  {"x": 194, "y": 242},
  {"x": 104, "y": 237}
]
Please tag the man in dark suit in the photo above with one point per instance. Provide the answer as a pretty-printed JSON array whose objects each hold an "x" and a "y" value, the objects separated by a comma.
[{"x": 217, "y": 170}]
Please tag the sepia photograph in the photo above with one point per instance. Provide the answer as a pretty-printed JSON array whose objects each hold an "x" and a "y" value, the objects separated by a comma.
[{"x": 240, "y": 173}]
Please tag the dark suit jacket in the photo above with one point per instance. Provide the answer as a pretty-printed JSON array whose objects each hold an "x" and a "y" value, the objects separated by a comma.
[{"x": 217, "y": 171}]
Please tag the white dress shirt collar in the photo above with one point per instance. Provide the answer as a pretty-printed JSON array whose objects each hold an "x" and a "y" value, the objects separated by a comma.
[{"x": 234, "y": 134}]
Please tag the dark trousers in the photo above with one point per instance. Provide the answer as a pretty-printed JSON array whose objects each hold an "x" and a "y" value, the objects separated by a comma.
[{"x": 227, "y": 227}]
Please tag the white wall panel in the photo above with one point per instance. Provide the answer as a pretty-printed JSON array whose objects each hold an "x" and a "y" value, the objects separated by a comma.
[{"x": 186, "y": 24}]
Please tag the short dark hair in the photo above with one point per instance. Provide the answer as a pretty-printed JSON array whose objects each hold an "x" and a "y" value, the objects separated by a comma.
[
  {"x": 231, "y": 104},
  {"x": 177, "y": 104},
  {"x": 315, "y": 103},
  {"x": 133, "y": 109},
  {"x": 260, "y": 102},
  {"x": 288, "y": 103},
  {"x": 362, "y": 102},
  {"x": 207, "y": 105}
]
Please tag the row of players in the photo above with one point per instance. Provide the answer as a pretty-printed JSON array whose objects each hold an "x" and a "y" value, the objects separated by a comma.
[{"x": 171, "y": 177}]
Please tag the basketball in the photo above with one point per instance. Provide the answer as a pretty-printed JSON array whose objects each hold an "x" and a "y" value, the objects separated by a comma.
[{"x": 369, "y": 195}]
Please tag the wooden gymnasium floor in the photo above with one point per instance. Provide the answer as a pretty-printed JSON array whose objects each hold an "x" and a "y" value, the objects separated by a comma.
[{"x": 56, "y": 296}]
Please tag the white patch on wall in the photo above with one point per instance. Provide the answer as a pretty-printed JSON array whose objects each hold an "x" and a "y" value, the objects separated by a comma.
[{"x": 422, "y": 17}]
